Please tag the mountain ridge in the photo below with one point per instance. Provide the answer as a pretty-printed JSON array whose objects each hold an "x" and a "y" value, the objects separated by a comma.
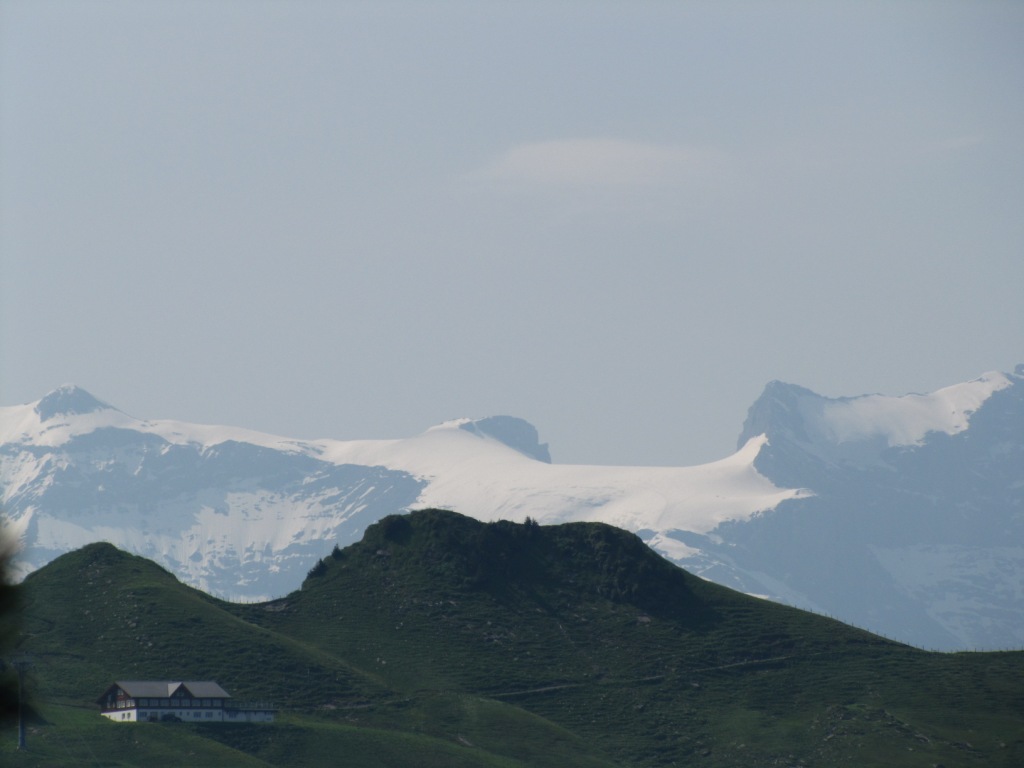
[{"x": 926, "y": 518}]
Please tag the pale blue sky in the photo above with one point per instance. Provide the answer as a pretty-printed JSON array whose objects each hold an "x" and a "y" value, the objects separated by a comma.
[{"x": 616, "y": 220}]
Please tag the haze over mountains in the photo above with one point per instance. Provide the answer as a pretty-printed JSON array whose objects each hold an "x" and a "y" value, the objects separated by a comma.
[{"x": 903, "y": 515}]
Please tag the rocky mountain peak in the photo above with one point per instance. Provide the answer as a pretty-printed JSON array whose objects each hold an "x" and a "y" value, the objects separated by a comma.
[
  {"x": 68, "y": 400},
  {"x": 514, "y": 432}
]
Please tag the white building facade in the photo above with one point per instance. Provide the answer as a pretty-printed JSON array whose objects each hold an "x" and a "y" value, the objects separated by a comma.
[{"x": 196, "y": 701}]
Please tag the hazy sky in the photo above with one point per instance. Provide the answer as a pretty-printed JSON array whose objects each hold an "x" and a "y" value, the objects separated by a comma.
[{"x": 616, "y": 220}]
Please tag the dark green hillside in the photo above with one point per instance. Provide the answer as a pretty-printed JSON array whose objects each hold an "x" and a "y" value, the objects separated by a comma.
[
  {"x": 516, "y": 606},
  {"x": 99, "y": 614},
  {"x": 439, "y": 640},
  {"x": 586, "y": 626}
]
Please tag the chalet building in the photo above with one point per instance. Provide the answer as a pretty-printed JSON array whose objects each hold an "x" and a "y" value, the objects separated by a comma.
[{"x": 169, "y": 700}]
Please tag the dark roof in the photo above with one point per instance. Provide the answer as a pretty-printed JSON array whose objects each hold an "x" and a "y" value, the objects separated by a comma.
[{"x": 200, "y": 689}]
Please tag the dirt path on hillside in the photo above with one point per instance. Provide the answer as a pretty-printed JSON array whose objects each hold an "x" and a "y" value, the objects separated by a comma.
[{"x": 650, "y": 679}]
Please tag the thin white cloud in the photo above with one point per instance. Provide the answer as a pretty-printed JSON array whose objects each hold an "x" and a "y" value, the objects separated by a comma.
[{"x": 598, "y": 162}]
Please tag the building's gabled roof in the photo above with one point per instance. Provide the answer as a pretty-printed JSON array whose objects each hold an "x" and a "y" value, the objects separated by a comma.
[
  {"x": 205, "y": 689},
  {"x": 199, "y": 689}
]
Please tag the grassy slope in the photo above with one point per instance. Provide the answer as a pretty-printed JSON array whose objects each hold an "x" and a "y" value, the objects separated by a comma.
[
  {"x": 99, "y": 614},
  {"x": 470, "y": 644},
  {"x": 583, "y": 625}
]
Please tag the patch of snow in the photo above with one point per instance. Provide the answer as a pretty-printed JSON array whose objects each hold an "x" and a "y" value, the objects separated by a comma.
[
  {"x": 906, "y": 420},
  {"x": 671, "y": 548}
]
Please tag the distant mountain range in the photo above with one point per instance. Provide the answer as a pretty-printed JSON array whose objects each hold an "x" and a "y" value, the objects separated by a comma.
[{"x": 903, "y": 515}]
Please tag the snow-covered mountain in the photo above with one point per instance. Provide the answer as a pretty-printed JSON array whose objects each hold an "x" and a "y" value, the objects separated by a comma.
[
  {"x": 900, "y": 514},
  {"x": 916, "y": 525}
]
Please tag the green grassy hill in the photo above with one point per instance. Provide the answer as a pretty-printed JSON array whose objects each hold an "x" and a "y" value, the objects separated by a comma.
[{"x": 440, "y": 640}]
